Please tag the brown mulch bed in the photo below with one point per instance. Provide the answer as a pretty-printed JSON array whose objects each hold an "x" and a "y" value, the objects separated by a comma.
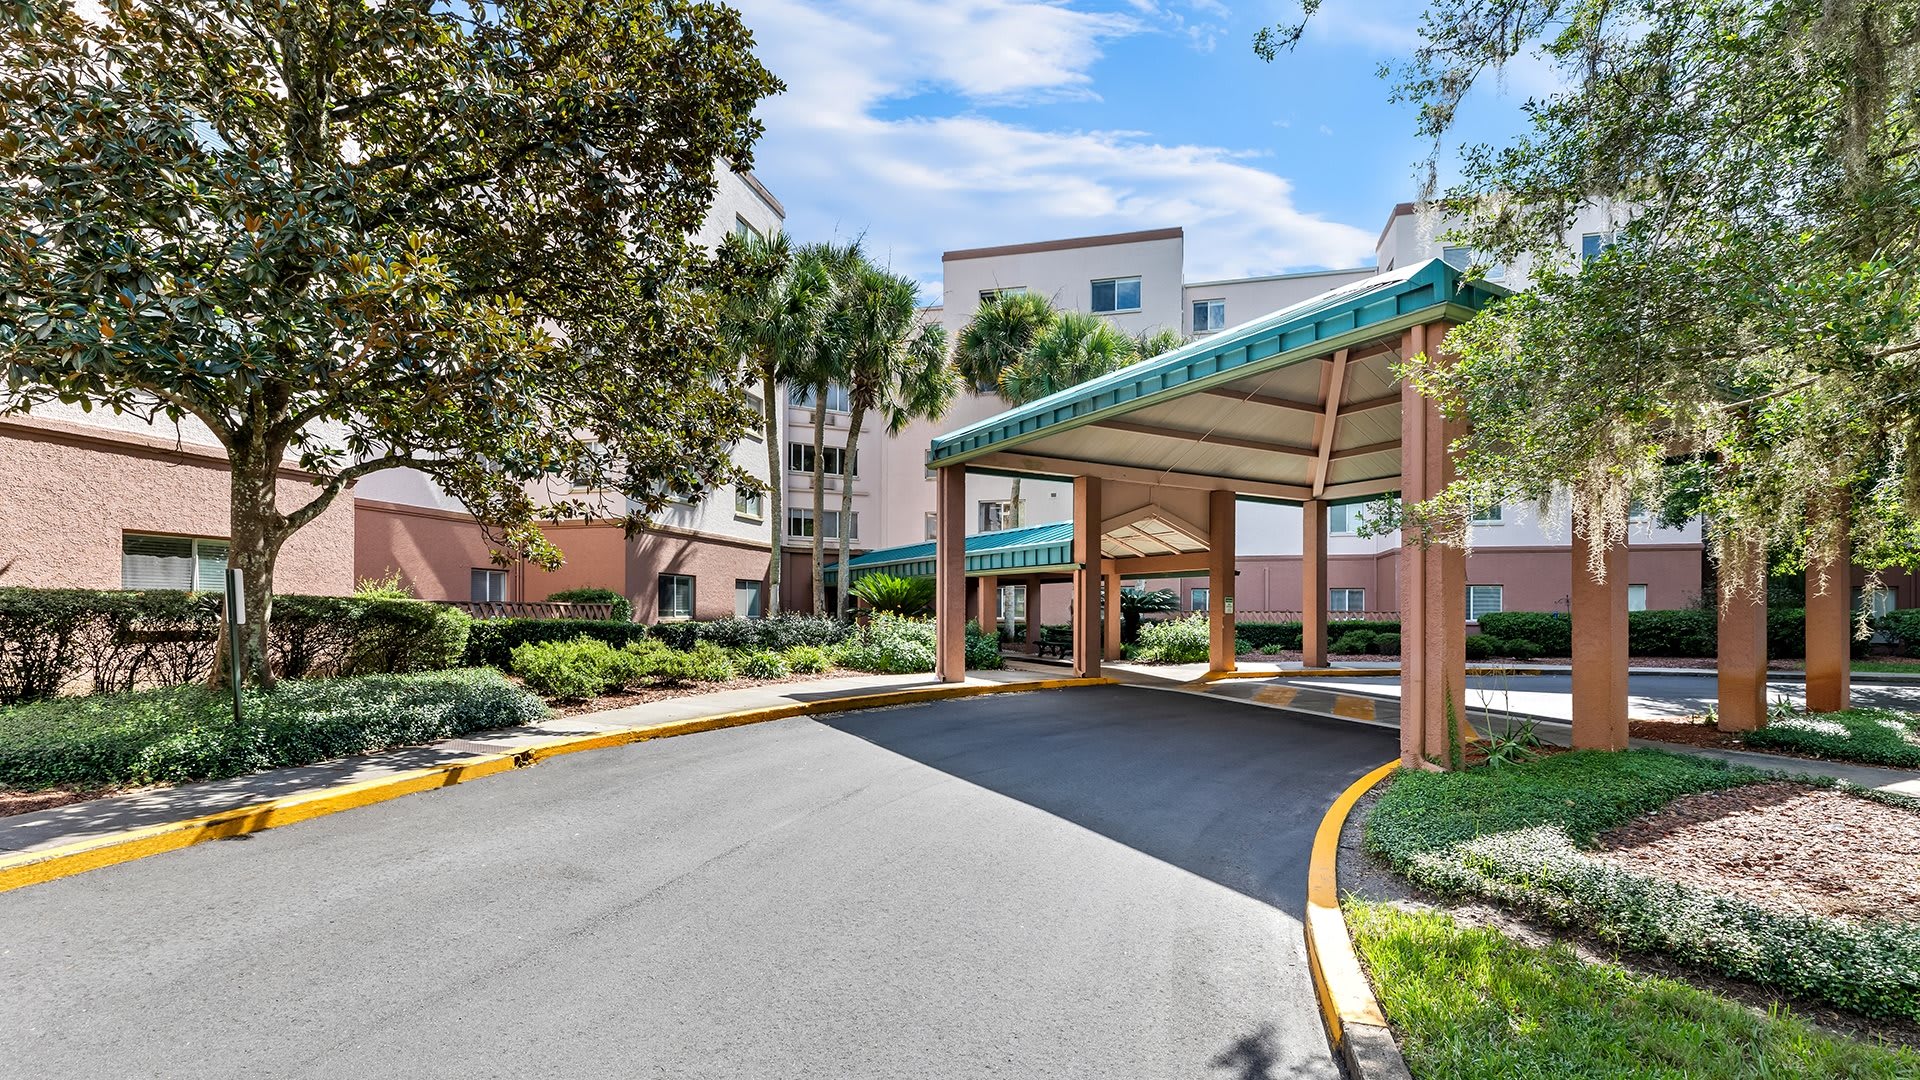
[
  {"x": 1696, "y": 732},
  {"x": 642, "y": 697},
  {"x": 1786, "y": 847},
  {"x": 26, "y": 802}
]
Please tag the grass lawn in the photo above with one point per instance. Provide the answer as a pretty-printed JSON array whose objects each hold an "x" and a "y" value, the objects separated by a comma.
[
  {"x": 186, "y": 733},
  {"x": 1525, "y": 835},
  {"x": 1887, "y": 667},
  {"x": 1871, "y": 736},
  {"x": 1472, "y": 1003}
]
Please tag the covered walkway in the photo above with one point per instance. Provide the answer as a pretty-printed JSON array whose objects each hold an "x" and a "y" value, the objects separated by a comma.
[{"x": 1303, "y": 406}]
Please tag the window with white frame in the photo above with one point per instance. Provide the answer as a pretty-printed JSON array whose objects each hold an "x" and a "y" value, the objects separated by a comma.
[
  {"x": 1011, "y": 604},
  {"x": 800, "y": 523},
  {"x": 759, "y": 407},
  {"x": 1116, "y": 294},
  {"x": 1636, "y": 598},
  {"x": 1209, "y": 315},
  {"x": 1484, "y": 600},
  {"x": 748, "y": 598},
  {"x": 803, "y": 397},
  {"x": 486, "y": 585},
  {"x": 1346, "y": 599},
  {"x": 1593, "y": 243},
  {"x": 676, "y": 596},
  {"x": 1197, "y": 599},
  {"x": 173, "y": 562},
  {"x": 743, "y": 230},
  {"x": 835, "y": 460},
  {"x": 748, "y": 503},
  {"x": 998, "y": 514},
  {"x": 1487, "y": 515},
  {"x": 988, "y": 296},
  {"x": 1465, "y": 258},
  {"x": 1342, "y": 519},
  {"x": 933, "y": 525}
]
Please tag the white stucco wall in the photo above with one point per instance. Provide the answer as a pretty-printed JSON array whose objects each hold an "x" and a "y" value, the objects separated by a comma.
[
  {"x": 1066, "y": 275},
  {"x": 1250, "y": 298}
]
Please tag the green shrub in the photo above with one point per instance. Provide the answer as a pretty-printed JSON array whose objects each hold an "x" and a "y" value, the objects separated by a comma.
[
  {"x": 1550, "y": 632},
  {"x": 707, "y": 662},
  {"x": 889, "y": 644},
  {"x": 1872, "y": 736},
  {"x": 760, "y": 664},
  {"x": 1483, "y": 646},
  {"x": 807, "y": 659},
  {"x": 1355, "y": 642},
  {"x": 1175, "y": 641},
  {"x": 1786, "y": 632},
  {"x": 186, "y": 733},
  {"x": 774, "y": 634},
  {"x": 1672, "y": 633},
  {"x": 491, "y": 641},
  {"x": 1389, "y": 644},
  {"x": 659, "y": 664},
  {"x": 1903, "y": 626},
  {"x": 1520, "y": 835},
  {"x": 893, "y": 594},
  {"x": 983, "y": 649},
  {"x": 1521, "y": 649},
  {"x": 389, "y": 587},
  {"x": 734, "y": 633},
  {"x": 579, "y": 669},
  {"x": 622, "y": 607}
]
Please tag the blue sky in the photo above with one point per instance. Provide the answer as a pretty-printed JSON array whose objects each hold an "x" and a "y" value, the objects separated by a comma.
[{"x": 928, "y": 125}]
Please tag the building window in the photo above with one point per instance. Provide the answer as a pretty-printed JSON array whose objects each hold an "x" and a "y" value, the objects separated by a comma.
[
  {"x": 173, "y": 562},
  {"x": 988, "y": 296},
  {"x": 1116, "y": 294},
  {"x": 1465, "y": 258},
  {"x": 933, "y": 526},
  {"x": 804, "y": 397},
  {"x": 748, "y": 598},
  {"x": 676, "y": 596},
  {"x": 1487, "y": 515},
  {"x": 1341, "y": 519},
  {"x": 759, "y": 407},
  {"x": 1346, "y": 599},
  {"x": 1636, "y": 598},
  {"x": 837, "y": 461},
  {"x": 996, "y": 515},
  {"x": 800, "y": 523},
  {"x": 486, "y": 586},
  {"x": 1483, "y": 600},
  {"x": 1593, "y": 243},
  {"x": 1209, "y": 315},
  {"x": 749, "y": 504},
  {"x": 1011, "y": 603},
  {"x": 743, "y": 230},
  {"x": 1197, "y": 599}
]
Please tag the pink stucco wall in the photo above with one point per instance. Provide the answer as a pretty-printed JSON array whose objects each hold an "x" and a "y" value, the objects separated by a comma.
[
  {"x": 68, "y": 493},
  {"x": 434, "y": 551}
]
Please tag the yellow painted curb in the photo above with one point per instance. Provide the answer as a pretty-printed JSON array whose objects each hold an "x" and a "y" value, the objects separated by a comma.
[
  {"x": 34, "y": 867},
  {"x": 1345, "y": 997}
]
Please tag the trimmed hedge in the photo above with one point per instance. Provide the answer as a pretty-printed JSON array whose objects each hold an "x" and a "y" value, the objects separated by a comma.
[
  {"x": 492, "y": 641},
  {"x": 622, "y": 607},
  {"x": 1286, "y": 636},
  {"x": 1521, "y": 835},
  {"x": 1684, "y": 633},
  {"x": 775, "y": 634},
  {"x": 187, "y": 733},
  {"x": 115, "y": 640}
]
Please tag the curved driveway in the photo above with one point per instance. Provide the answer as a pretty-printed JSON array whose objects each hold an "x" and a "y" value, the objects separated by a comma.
[{"x": 1087, "y": 883}]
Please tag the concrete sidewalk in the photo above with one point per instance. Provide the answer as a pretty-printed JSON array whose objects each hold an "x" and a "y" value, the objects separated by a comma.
[{"x": 45, "y": 829}]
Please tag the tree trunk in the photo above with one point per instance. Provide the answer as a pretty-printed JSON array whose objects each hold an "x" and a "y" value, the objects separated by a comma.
[
  {"x": 1015, "y": 518},
  {"x": 255, "y": 533},
  {"x": 846, "y": 506},
  {"x": 775, "y": 485},
  {"x": 819, "y": 497}
]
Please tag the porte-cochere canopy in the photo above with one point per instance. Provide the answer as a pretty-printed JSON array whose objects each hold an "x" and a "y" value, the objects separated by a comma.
[{"x": 1300, "y": 404}]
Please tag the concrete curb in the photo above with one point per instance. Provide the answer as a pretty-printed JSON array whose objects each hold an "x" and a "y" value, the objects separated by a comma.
[
  {"x": 34, "y": 867},
  {"x": 1355, "y": 1025},
  {"x": 1356, "y": 673}
]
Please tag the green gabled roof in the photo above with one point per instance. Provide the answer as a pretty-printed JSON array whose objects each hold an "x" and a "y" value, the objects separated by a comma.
[
  {"x": 1357, "y": 312},
  {"x": 1037, "y": 547}
]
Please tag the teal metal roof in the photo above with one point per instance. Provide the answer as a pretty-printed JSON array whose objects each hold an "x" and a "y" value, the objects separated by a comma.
[
  {"x": 1034, "y": 548},
  {"x": 1351, "y": 314}
]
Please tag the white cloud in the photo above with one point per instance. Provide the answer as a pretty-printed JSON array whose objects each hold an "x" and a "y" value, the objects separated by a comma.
[{"x": 869, "y": 139}]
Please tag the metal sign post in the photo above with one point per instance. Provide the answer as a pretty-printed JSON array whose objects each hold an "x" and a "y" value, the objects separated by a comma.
[{"x": 236, "y": 618}]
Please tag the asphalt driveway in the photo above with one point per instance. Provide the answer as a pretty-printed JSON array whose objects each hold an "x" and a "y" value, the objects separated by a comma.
[{"x": 1090, "y": 883}]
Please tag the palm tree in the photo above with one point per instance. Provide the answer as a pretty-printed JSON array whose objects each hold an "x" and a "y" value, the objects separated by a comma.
[
  {"x": 820, "y": 367},
  {"x": 1000, "y": 333},
  {"x": 894, "y": 363},
  {"x": 773, "y": 320},
  {"x": 1148, "y": 344},
  {"x": 1072, "y": 349}
]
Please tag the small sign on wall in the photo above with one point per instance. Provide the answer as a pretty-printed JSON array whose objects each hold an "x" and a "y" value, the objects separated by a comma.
[{"x": 1229, "y": 605}]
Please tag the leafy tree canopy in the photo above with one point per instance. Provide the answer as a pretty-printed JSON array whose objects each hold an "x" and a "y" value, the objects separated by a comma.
[
  {"x": 1748, "y": 344},
  {"x": 360, "y": 235}
]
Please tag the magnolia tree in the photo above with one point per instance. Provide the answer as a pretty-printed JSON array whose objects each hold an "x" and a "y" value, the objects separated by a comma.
[
  {"x": 353, "y": 236},
  {"x": 1747, "y": 345}
]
